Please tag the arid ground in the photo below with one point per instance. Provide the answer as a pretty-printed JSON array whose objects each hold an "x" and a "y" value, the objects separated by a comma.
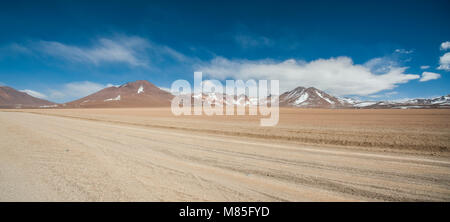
[{"x": 147, "y": 154}]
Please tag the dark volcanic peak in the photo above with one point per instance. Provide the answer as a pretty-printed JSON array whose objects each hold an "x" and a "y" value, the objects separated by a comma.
[{"x": 11, "y": 98}]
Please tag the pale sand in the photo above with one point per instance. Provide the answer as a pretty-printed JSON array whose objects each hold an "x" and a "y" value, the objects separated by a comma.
[{"x": 148, "y": 155}]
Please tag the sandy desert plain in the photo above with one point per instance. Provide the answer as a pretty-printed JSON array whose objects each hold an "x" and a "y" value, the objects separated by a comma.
[{"x": 147, "y": 154}]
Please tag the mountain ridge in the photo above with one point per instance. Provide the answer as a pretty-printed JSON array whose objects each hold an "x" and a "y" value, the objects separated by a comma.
[
  {"x": 142, "y": 93},
  {"x": 310, "y": 97},
  {"x": 12, "y": 98}
]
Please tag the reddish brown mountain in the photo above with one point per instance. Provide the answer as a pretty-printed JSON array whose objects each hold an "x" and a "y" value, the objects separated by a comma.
[
  {"x": 133, "y": 94},
  {"x": 11, "y": 98}
]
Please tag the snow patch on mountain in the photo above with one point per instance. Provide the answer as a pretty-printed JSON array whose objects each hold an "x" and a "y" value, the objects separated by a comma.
[
  {"x": 113, "y": 99},
  {"x": 140, "y": 90},
  {"x": 301, "y": 99},
  {"x": 365, "y": 104},
  {"x": 321, "y": 96},
  {"x": 348, "y": 100}
]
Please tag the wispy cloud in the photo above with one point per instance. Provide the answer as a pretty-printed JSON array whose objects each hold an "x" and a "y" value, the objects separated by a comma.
[
  {"x": 384, "y": 64},
  {"x": 384, "y": 95},
  {"x": 404, "y": 51},
  {"x": 13, "y": 50},
  {"x": 128, "y": 50},
  {"x": 34, "y": 93},
  {"x": 133, "y": 51},
  {"x": 381, "y": 65},
  {"x": 424, "y": 67},
  {"x": 427, "y": 76},
  {"x": 74, "y": 90},
  {"x": 339, "y": 76},
  {"x": 18, "y": 48},
  {"x": 252, "y": 41}
]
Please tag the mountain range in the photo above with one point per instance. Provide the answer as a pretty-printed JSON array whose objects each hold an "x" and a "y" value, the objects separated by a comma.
[
  {"x": 315, "y": 98},
  {"x": 145, "y": 94}
]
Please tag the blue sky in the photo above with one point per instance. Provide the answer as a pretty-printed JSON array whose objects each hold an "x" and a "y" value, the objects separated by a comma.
[{"x": 63, "y": 50}]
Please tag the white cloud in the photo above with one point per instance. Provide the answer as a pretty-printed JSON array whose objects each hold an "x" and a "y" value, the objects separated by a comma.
[
  {"x": 391, "y": 93},
  {"x": 424, "y": 67},
  {"x": 387, "y": 94},
  {"x": 167, "y": 51},
  {"x": 338, "y": 76},
  {"x": 83, "y": 88},
  {"x": 381, "y": 65},
  {"x": 75, "y": 90},
  {"x": 404, "y": 51},
  {"x": 165, "y": 89},
  {"x": 444, "y": 62},
  {"x": 445, "y": 45},
  {"x": 427, "y": 76},
  {"x": 56, "y": 95},
  {"x": 111, "y": 85},
  {"x": 124, "y": 49},
  {"x": 132, "y": 50},
  {"x": 34, "y": 93}
]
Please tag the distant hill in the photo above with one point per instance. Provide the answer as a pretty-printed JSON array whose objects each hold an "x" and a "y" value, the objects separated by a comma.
[
  {"x": 11, "y": 98},
  {"x": 437, "y": 102}
]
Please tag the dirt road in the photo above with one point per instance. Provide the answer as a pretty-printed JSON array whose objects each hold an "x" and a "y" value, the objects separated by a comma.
[{"x": 51, "y": 158}]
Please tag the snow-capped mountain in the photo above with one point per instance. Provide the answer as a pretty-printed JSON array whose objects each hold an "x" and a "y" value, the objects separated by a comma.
[
  {"x": 11, "y": 98},
  {"x": 441, "y": 100},
  {"x": 437, "y": 102},
  {"x": 144, "y": 94},
  {"x": 315, "y": 98},
  {"x": 140, "y": 93},
  {"x": 223, "y": 99},
  {"x": 311, "y": 97},
  {"x": 348, "y": 101}
]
